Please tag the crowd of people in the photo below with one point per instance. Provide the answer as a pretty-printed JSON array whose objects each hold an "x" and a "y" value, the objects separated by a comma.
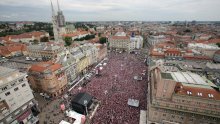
[{"x": 115, "y": 86}]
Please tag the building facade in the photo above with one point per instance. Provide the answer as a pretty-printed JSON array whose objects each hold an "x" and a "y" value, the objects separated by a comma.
[
  {"x": 45, "y": 51},
  {"x": 48, "y": 77},
  {"x": 181, "y": 98},
  {"x": 16, "y": 98},
  {"x": 102, "y": 51},
  {"x": 136, "y": 43},
  {"x": 119, "y": 42}
]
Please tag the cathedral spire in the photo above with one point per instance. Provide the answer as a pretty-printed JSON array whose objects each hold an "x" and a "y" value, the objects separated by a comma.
[
  {"x": 58, "y": 5},
  {"x": 53, "y": 12}
]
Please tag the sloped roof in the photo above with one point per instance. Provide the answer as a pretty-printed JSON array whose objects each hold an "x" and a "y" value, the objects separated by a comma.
[{"x": 42, "y": 66}]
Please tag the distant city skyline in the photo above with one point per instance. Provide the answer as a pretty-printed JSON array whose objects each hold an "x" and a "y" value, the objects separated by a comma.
[{"x": 109, "y": 10}]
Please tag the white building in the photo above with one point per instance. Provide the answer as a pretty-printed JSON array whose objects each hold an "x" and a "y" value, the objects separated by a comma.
[
  {"x": 122, "y": 41},
  {"x": 16, "y": 98},
  {"x": 136, "y": 42},
  {"x": 152, "y": 40}
]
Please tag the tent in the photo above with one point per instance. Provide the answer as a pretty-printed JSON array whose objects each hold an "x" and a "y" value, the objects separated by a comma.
[{"x": 80, "y": 102}]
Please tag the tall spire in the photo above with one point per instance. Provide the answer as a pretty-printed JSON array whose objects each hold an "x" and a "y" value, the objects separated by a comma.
[
  {"x": 53, "y": 12},
  {"x": 58, "y": 5}
]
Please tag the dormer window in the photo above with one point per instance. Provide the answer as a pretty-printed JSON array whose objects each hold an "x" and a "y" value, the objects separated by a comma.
[
  {"x": 189, "y": 92},
  {"x": 210, "y": 95},
  {"x": 199, "y": 94}
]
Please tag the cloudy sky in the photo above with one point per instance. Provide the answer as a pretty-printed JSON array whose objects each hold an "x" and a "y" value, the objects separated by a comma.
[{"x": 112, "y": 10}]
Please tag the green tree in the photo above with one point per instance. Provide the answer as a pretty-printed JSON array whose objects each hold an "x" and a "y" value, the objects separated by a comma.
[
  {"x": 44, "y": 39},
  {"x": 68, "y": 41},
  {"x": 35, "y": 41},
  {"x": 218, "y": 44},
  {"x": 102, "y": 40},
  {"x": 99, "y": 34}
]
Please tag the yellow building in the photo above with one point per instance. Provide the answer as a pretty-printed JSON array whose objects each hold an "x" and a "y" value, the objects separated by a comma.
[{"x": 82, "y": 65}]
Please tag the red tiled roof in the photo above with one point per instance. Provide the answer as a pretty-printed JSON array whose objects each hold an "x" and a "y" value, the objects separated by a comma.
[
  {"x": 195, "y": 90},
  {"x": 12, "y": 47},
  {"x": 42, "y": 66},
  {"x": 197, "y": 57},
  {"x": 71, "y": 35},
  {"x": 37, "y": 33},
  {"x": 157, "y": 54},
  {"x": 74, "y": 34},
  {"x": 119, "y": 37},
  {"x": 172, "y": 50},
  {"x": 25, "y": 35},
  {"x": 212, "y": 41},
  {"x": 4, "y": 51}
]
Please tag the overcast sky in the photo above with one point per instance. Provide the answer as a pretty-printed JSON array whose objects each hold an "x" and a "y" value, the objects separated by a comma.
[{"x": 112, "y": 10}]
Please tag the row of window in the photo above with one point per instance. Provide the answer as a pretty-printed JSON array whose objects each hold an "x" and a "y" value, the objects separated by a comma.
[
  {"x": 13, "y": 84},
  {"x": 191, "y": 118},
  {"x": 15, "y": 89},
  {"x": 198, "y": 103}
]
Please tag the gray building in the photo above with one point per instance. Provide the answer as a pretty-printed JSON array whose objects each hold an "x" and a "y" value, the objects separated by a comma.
[{"x": 16, "y": 99}]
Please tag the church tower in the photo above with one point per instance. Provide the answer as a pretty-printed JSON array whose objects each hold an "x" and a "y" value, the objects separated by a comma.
[
  {"x": 54, "y": 22},
  {"x": 59, "y": 24}
]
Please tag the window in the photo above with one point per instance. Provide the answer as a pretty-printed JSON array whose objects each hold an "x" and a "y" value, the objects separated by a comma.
[
  {"x": 21, "y": 80},
  {"x": 12, "y": 84},
  {"x": 4, "y": 88},
  {"x": 8, "y": 93},
  {"x": 199, "y": 94},
  {"x": 189, "y": 92},
  {"x": 210, "y": 95},
  {"x": 181, "y": 118},
  {"x": 16, "y": 89},
  {"x": 23, "y": 85}
]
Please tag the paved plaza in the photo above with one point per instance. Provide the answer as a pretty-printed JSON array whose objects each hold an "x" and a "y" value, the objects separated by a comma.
[
  {"x": 113, "y": 89},
  {"x": 115, "y": 86}
]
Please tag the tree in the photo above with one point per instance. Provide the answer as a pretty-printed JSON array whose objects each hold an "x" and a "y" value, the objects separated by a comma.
[
  {"x": 68, "y": 41},
  {"x": 35, "y": 41},
  {"x": 218, "y": 44},
  {"x": 99, "y": 34},
  {"x": 44, "y": 39},
  {"x": 102, "y": 40}
]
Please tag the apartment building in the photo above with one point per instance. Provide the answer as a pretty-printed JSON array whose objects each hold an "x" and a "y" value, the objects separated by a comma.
[
  {"x": 119, "y": 42},
  {"x": 68, "y": 63},
  {"x": 11, "y": 49},
  {"x": 102, "y": 51},
  {"x": 45, "y": 51},
  {"x": 27, "y": 37},
  {"x": 91, "y": 52},
  {"x": 16, "y": 99},
  {"x": 181, "y": 98},
  {"x": 48, "y": 77},
  {"x": 136, "y": 42},
  {"x": 153, "y": 40}
]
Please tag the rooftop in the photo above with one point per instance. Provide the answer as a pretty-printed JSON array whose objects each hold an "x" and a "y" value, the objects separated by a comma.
[
  {"x": 197, "y": 91},
  {"x": 5, "y": 71},
  {"x": 188, "y": 77},
  {"x": 42, "y": 66}
]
